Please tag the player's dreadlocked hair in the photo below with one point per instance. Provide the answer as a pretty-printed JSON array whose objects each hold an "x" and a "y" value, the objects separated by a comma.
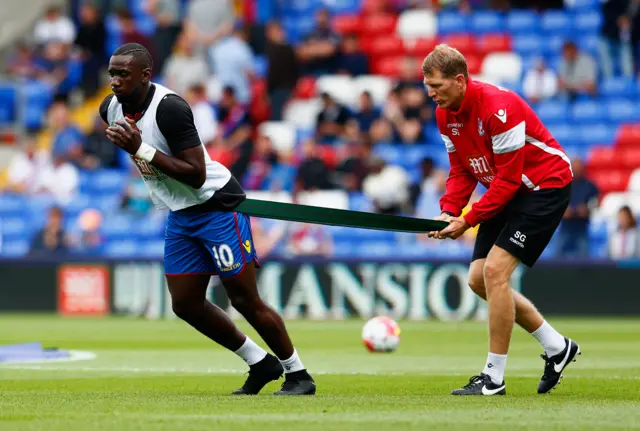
[{"x": 139, "y": 52}]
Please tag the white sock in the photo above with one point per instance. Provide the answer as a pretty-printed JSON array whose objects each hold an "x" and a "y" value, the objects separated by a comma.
[
  {"x": 250, "y": 352},
  {"x": 495, "y": 366},
  {"x": 292, "y": 364},
  {"x": 552, "y": 341}
]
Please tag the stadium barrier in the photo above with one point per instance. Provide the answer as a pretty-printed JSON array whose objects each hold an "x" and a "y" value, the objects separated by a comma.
[{"x": 319, "y": 289}]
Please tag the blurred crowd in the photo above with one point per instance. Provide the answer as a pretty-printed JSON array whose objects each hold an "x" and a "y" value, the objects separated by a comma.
[{"x": 211, "y": 51}]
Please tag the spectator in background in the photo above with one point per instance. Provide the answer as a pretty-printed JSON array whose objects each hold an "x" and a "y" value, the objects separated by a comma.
[
  {"x": 60, "y": 179},
  {"x": 131, "y": 34},
  {"x": 577, "y": 72},
  {"x": 353, "y": 165},
  {"x": 98, "y": 151},
  {"x": 429, "y": 195},
  {"x": 313, "y": 173},
  {"x": 615, "y": 34},
  {"x": 89, "y": 239},
  {"x": 232, "y": 63},
  {"x": 320, "y": 49},
  {"x": 54, "y": 66},
  {"x": 24, "y": 168},
  {"x": 624, "y": 243},
  {"x": 632, "y": 21},
  {"x": 368, "y": 113},
  {"x": 91, "y": 39},
  {"x": 426, "y": 183},
  {"x": 54, "y": 27},
  {"x": 284, "y": 69},
  {"x": 204, "y": 116},
  {"x": 540, "y": 82},
  {"x": 573, "y": 235},
  {"x": 23, "y": 64},
  {"x": 388, "y": 187},
  {"x": 331, "y": 120},
  {"x": 207, "y": 21},
  {"x": 263, "y": 159},
  {"x": 184, "y": 68},
  {"x": 51, "y": 239},
  {"x": 136, "y": 198},
  {"x": 167, "y": 16},
  {"x": 67, "y": 138},
  {"x": 267, "y": 234},
  {"x": 307, "y": 239},
  {"x": 352, "y": 61}
]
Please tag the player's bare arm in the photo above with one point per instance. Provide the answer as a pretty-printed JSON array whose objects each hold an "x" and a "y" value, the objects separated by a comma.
[{"x": 187, "y": 166}]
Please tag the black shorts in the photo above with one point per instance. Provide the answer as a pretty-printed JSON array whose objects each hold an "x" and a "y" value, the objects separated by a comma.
[{"x": 526, "y": 225}]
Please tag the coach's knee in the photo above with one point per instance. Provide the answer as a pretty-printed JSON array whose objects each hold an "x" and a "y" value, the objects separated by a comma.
[
  {"x": 476, "y": 278},
  {"x": 496, "y": 276}
]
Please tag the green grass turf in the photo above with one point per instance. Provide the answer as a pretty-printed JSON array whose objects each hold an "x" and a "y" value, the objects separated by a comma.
[{"x": 162, "y": 375}]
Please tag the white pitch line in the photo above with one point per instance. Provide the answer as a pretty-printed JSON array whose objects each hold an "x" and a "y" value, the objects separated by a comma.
[{"x": 223, "y": 371}]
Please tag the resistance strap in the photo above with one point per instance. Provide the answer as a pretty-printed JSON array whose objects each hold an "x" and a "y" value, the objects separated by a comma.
[{"x": 337, "y": 217}]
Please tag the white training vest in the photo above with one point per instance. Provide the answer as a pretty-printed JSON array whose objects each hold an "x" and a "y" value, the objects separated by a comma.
[{"x": 165, "y": 191}]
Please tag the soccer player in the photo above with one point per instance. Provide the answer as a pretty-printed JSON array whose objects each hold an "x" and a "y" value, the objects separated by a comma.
[
  {"x": 204, "y": 236},
  {"x": 493, "y": 137}
]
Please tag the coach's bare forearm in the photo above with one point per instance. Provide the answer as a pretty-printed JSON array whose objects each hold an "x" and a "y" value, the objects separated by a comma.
[{"x": 181, "y": 170}]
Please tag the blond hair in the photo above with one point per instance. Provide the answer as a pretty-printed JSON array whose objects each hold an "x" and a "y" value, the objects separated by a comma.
[{"x": 448, "y": 60}]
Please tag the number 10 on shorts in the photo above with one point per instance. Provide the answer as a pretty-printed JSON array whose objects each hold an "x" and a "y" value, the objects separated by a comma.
[{"x": 223, "y": 256}]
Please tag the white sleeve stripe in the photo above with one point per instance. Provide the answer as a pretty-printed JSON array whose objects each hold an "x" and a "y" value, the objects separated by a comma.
[
  {"x": 447, "y": 142},
  {"x": 511, "y": 140}
]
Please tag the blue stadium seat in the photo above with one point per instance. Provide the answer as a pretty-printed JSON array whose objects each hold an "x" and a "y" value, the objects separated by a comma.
[
  {"x": 344, "y": 6},
  {"x": 119, "y": 226},
  {"x": 8, "y": 105},
  {"x": 121, "y": 249},
  {"x": 13, "y": 249},
  {"x": 588, "y": 22},
  {"x": 261, "y": 66},
  {"x": 77, "y": 204},
  {"x": 590, "y": 44},
  {"x": 556, "y": 22},
  {"x": 622, "y": 111},
  {"x": 588, "y": 111},
  {"x": 104, "y": 181},
  {"x": 15, "y": 227},
  {"x": 579, "y": 5},
  {"x": 146, "y": 24},
  {"x": 618, "y": 87},
  {"x": 528, "y": 44},
  {"x": 523, "y": 22},
  {"x": 452, "y": 22},
  {"x": 12, "y": 204},
  {"x": 375, "y": 249},
  {"x": 565, "y": 134},
  {"x": 359, "y": 202},
  {"x": 392, "y": 154},
  {"x": 152, "y": 249},
  {"x": 302, "y": 7},
  {"x": 553, "y": 111},
  {"x": 597, "y": 134},
  {"x": 150, "y": 226},
  {"x": 487, "y": 22},
  {"x": 552, "y": 45},
  {"x": 38, "y": 98}
]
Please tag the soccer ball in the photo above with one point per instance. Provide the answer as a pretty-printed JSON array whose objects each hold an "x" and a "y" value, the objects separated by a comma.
[{"x": 381, "y": 334}]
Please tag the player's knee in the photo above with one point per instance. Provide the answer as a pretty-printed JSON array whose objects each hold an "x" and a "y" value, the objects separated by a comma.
[
  {"x": 184, "y": 307},
  {"x": 245, "y": 303},
  {"x": 495, "y": 275}
]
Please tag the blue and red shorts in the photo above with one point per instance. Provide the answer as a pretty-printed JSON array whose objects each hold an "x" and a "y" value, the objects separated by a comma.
[{"x": 208, "y": 243}]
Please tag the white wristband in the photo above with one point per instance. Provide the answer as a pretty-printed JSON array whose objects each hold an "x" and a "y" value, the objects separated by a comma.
[{"x": 146, "y": 152}]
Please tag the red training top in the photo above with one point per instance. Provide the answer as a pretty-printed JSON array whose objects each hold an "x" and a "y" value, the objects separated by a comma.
[{"x": 497, "y": 139}]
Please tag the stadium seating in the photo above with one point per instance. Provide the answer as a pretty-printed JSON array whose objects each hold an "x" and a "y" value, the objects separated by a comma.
[{"x": 499, "y": 47}]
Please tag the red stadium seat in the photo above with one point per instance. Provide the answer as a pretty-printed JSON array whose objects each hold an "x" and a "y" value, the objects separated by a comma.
[
  {"x": 346, "y": 24},
  {"x": 628, "y": 157},
  {"x": 610, "y": 180},
  {"x": 628, "y": 135},
  {"x": 474, "y": 63},
  {"x": 462, "y": 42},
  {"x": 306, "y": 88},
  {"x": 366, "y": 44},
  {"x": 387, "y": 45},
  {"x": 601, "y": 158},
  {"x": 258, "y": 89},
  {"x": 421, "y": 47},
  {"x": 388, "y": 66},
  {"x": 374, "y": 6},
  {"x": 494, "y": 43},
  {"x": 379, "y": 24}
]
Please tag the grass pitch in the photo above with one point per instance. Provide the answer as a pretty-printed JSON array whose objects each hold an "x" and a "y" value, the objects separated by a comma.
[{"x": 162, "y": 375}]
